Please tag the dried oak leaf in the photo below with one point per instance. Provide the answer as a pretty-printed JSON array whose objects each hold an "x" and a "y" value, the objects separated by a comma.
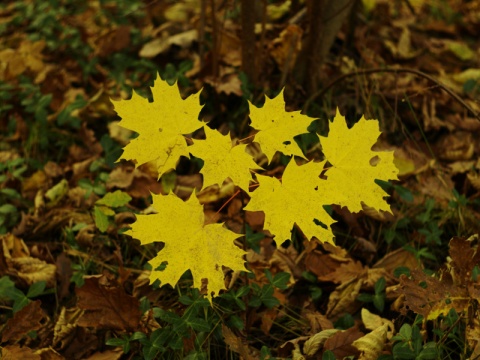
[
  {"x": 107, "y": 305},
  {"x": 27, "y": 319},
  {"x": 453, "y": 289},
  {"x": 437, "y": 297}
]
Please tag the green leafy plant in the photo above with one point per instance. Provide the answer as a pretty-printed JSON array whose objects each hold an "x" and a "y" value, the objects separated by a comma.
[
  {"x": 378, "y": 298},
  {"x": 8, "y": 292},
  {"x": 409, "y": 345},
  {"x": 264, "y": 295},
  {"x": 105, "y": 207}
]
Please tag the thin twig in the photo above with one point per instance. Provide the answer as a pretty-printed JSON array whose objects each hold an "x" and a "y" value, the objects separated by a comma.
[
  {"x": 215, "y": 47},
  {"x": 320, "y": 93},
  {"x": 201, "y": 31}
]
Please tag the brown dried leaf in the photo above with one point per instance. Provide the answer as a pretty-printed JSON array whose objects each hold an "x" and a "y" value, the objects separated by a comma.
[
  {"x": 371, "y": 345},
  {"x": 397, "y": 258},
  {"x": 463, "y": 259},
  {"x": 343, "y": 299},
  {"x": 341, "y": 343},
  {"x": 317, "y": 341},
  {"x": 285, "y": 48},
  {"x": 106, "y": 355},
  {"x": 268, "y": 318},
  {"x": 27, "y": 319},
  {"x": 345, "y": 272},
  {"x": 113, "y": 41},
  {"x": 107, "y": 305},
  {"x": 15, "y": 352},
  {"x": 459, "y": 145},
  {"x": 322, "y": 264},
  {"x": 13, "y": 246},
  {"x": 237, "y": 345},
  {"x": 64, "y": 328},
  {"x": 472, "y": 334},
  {"x": 32, "y": 270},
  {"x": 49, "y": 354},
  {"x": 431, "y": 301},
  {"x": 373, "y": 321},
  {"x": 317, "y": 321}
]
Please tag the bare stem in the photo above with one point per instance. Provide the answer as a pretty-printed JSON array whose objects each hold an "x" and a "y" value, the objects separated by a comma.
[{"x": 320, "y": 93}]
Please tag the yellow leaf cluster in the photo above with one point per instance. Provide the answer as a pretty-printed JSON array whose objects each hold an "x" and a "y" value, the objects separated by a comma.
[{"x": 298, "y": 198}]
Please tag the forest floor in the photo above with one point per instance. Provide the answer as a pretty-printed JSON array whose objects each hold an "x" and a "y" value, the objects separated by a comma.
[{"x": 399, "y": 285}]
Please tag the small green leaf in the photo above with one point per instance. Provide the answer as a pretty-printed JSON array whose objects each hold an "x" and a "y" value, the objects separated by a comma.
[
  {"x": 401, "y": 270},
  {"x": 36, "y": 289},
  {"x": 281, "y": 280},
  {"x": 365, "y": 297},
  {"x": 403, "y": 351},
  {"x": 406, "y": 331},
  {"x": 10, "y": 193},
  {"x": 20, "y": 302},
  {"x": 58, "y": 191},
  {"x": 328, "y": 355},
  {"x": 115, "y": 342},
  {"x": 240, "y": 303},
  {"x": 255, "y": 301},
  {"x": 380, "y": 285},
  {"x": 101, "y": 219},
  {"x": 270, "y": 302},
  {"x": 429, "y": 352},
  {"x": 253, "y": 239},
  {"x": 404, "y": 193},
  {"x": 168, "y": 181},
  {"x": 198, "y": 324},
  {"x": 116, "y": 199},
  {"x": 236, "y": 322},
  {"x": 244, "y": 290},
  {"x": 7, "y": 209},
  {"x": 379, "y": 302},
  {"x": 315, "y": 292},
  {"x": 186, "y": 300},
  {"x": 137, "y": 335}
]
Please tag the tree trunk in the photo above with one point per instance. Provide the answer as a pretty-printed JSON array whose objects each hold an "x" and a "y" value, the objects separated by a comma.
[
  {"x": 248, "y": 39},
  {"x": 325, "y": 19}
]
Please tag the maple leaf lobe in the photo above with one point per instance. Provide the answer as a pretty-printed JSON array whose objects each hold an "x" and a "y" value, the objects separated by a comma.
[
  {"x": 222, "y": 160},
  {"x": 159, "y": 125},
  {"x": 349, "y": 152},
  {"x": 276, "y": 127},
  {"x": 182, "y": 230}
]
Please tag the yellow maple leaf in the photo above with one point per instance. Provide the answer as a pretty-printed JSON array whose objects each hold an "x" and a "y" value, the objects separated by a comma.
[
  {"x": 298, "y": 199},
  {"x": 160, "y": 125},
  {"x": 349, "y": 152},
  {"x": 278, "y": 127},
  {"x": 222, "y": 161},
  {"x": 189, "y": 244}
]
